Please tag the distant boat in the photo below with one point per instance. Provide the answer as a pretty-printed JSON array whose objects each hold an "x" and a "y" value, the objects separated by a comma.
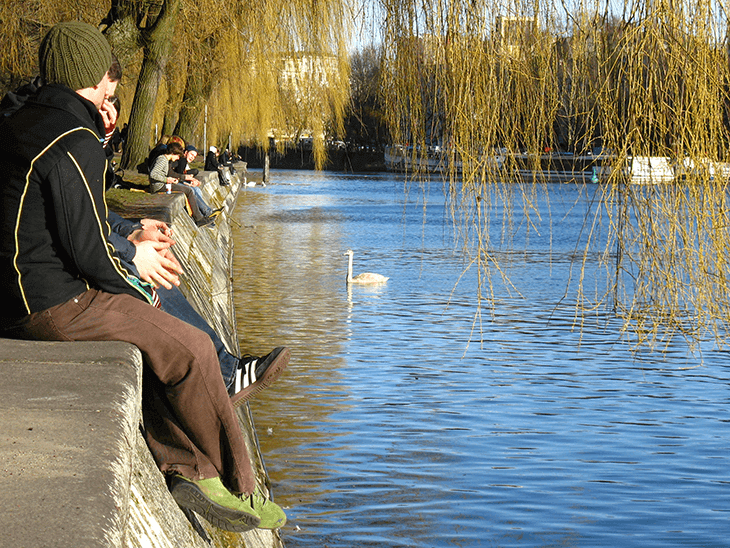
[
  {"x": 663, "y": 169},
  {"x": 428, "y": 160},
  {"x": 651, "y": 170},
  {"x": 689, "y": 168}
]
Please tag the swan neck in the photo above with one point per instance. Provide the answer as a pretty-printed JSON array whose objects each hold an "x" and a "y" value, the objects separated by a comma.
[{"x": 349, "y": 267}]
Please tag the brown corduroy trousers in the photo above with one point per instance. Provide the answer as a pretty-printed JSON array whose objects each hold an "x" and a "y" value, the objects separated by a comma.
[{"x": 189, "y": 423}]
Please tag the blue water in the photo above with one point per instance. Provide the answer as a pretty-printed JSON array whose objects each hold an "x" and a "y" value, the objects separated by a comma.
[{"x": 406, "y": 418}]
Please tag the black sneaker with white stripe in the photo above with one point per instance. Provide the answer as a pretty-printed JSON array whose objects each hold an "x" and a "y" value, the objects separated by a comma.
[{"x": 256, "y": 373}]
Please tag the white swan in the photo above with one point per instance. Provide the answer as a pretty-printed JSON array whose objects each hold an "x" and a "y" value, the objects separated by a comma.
[{"x": 365, "y": 277}]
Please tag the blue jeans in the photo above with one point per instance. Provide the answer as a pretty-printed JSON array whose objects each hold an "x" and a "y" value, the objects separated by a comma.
[
  {"x": 205, "y": 209},
  {"x": 174, "y": 303}
]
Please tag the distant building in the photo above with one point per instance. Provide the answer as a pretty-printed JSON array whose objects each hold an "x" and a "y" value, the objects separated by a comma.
[
  {"x": 304, "y": 73},
  {"x": 306, "y": 78},
  {"x": 516, "y": 34}
]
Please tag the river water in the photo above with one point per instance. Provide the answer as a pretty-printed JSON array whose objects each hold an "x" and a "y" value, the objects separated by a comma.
[{"x": 405, "y": 420}]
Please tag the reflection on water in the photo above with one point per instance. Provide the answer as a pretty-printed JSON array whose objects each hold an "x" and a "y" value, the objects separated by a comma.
[{"x": 406, "y": 420}]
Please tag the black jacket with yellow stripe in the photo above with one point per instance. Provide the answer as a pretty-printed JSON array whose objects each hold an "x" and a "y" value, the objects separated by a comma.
[{"x": 54, "y": 233}]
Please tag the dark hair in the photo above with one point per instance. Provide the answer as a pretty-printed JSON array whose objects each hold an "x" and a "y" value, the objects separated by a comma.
[
  {"x": 175, "y": 148},
  {"x": 115, "y": 70}
]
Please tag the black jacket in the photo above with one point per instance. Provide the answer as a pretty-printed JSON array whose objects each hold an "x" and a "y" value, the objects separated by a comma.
[
  {"x": 54, "y": 235},
  {"x": 211, "y": 161}
]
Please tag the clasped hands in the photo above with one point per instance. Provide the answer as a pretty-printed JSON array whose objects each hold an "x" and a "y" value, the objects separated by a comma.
[{"x": 154, "y": 261}]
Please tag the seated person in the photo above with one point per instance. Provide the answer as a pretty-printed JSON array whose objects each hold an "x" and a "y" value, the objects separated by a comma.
[
  {"x": 212, "y": 164},
  {"x": 211, "y": 159},
  {"x": 62, "y": 283},
  {"x": 183, "y": 164},
  {"x": 226, "y": 160},
  {"x": 181, "y": 170},
  {"x": 133, "y": 242},
  {"x": 159, "y": 180}
]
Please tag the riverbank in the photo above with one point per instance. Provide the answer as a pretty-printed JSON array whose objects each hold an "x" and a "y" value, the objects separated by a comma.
[
  {"x": 349, "y": 160},
  {"x": 74, "y": 468}
]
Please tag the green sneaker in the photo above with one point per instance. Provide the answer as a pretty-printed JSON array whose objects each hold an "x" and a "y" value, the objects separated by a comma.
[
  {"x": 272, "y": 516},
  {"x": 215, "y": 503}
]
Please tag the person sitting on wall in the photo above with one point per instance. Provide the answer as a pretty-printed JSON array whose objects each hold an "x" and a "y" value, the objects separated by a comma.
[
  {"x": 211, "y": 159},
  {"x": 187, "y": 176},
  {"x": 184, "y": 164},
  {"x": 63, "y": 283},
  {"x": 226, "y": 160},
  {"x": 144, "y": 249},
  {"x": 212, "y": 164},
  {"x": 160, "y": 181}
]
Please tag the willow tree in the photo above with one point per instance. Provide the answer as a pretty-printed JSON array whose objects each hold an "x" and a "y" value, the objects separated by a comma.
[
  {"x": 24, "y": 23},
  {"x": 132, "y": 25},
  {"x": 646, "y": 78},
  {"x": 238, "y": 62},
  {"x": 181, "y": 55}
]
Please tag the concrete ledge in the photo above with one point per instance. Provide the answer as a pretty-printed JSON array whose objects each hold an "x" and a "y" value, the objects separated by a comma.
[{"x": 70, "y": 418}]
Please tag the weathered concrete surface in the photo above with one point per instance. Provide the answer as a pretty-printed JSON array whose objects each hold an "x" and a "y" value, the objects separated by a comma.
[
  {"x": 70, "y": 415},
  {"x": 83, "y": 475}
]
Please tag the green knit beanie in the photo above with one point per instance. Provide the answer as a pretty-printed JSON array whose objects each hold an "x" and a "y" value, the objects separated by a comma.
[{"x": 74, "y": 54}]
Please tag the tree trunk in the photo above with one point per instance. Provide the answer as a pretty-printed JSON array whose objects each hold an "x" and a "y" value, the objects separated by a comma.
[
  {"x": 136, "y": 147},
  {"x": 157, "y": 40},
  {"x": 197, "y": 92},
  {"x": 198, "y": 86},
  {"x": 168, "y": 125}
]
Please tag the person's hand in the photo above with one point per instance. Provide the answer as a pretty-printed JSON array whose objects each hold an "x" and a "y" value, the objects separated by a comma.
[
  {"x": 154, "y": 264},
  {"x": 109, "y": 115},
  {"x": 159, "y": 226},
  {"x": 194, "y": 182},
  {"x": 156, "y": 231},
  {"x": 150, "y": 234}
]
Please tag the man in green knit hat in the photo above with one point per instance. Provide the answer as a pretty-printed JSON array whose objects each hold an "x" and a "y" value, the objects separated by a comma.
[{"x": 63, "y": 282}]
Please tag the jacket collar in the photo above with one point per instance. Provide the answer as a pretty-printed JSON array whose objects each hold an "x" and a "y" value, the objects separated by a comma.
[{"x": 63, "y": 98}]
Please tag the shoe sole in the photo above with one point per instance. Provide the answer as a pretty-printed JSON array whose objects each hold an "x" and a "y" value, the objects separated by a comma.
[
  {"x": 188, "y": 495},
  {"x": 273, "y": 372}
]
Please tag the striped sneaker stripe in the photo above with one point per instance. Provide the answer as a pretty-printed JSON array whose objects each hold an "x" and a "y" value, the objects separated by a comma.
[{"x": 244, "y": 379}]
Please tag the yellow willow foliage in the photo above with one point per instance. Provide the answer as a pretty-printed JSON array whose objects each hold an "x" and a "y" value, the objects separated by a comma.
[
  {"x": 240, "y": 48},
  {"x": 253, "y": 46},
  {"x": 24, "y": 23},
  {"x": 495, "y": 82}
]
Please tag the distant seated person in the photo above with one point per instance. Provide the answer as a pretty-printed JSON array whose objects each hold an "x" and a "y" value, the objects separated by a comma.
[
  {"x": 181, "y": 170},
  {"x": 184, "y": 163},
  {"x": 159, "y": 181},
  {"x": 213, "y": 164},
  {"x": 211, "y": 159},
  {"x": 159, "y": 148},
  {"x": 226, "y": 160}
]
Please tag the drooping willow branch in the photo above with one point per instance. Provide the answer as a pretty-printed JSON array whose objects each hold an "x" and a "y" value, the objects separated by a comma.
[{"x": 490, "y": 83}]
